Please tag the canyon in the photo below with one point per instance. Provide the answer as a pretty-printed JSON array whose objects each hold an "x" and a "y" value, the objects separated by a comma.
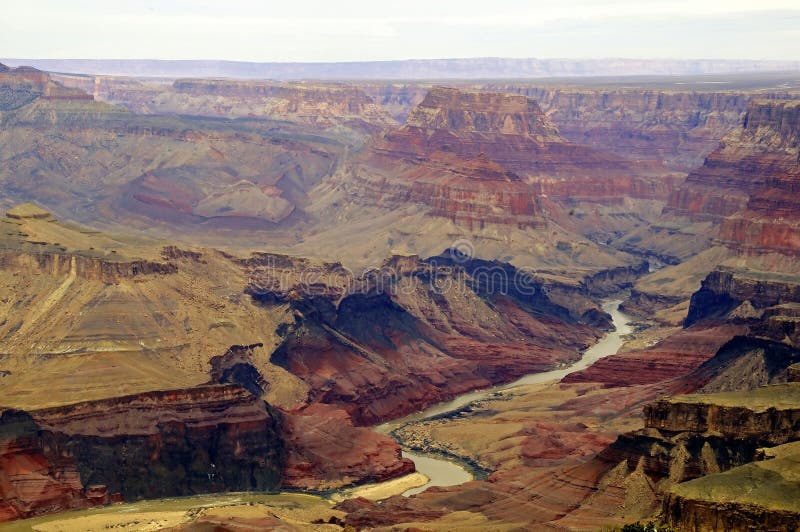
[{"x": 221, "y": 285}]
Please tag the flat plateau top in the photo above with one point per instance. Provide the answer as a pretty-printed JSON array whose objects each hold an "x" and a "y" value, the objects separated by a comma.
[
  {"x": 27, "y": 210},
  {"x": 770, "y": 484},
  {"x": 778, "y": 396}
]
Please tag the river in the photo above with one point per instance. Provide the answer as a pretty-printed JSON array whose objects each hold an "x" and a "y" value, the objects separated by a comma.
[{"x": 443, "y": 472}]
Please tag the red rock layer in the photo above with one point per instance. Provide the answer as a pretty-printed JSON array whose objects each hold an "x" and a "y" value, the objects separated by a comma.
[
  {"x": 180, "y": 442},
  {"x": 379, "y": 354},
  {"x": 478, "y": 157},
  {"x": 749, "y": 161},
  {"x": 670, "y": 127},
  {"x": 771, "y": 221},
  {"x": 156, "y": 444},
  {"x": 673, "y": 357},
  {"x": 324, "y": 451}
]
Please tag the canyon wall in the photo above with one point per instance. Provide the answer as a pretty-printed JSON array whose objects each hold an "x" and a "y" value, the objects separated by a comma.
[
  {"x": 150, "y": 445},
  {"x": 90, "y": 268},
  {"x": 180, "y": 170},
  {"x": 669, "y": 127},
  {"x": 320, "y": 105},
  {"x": 392, "y": 343},
  {"x": 724, "y": 291},
  {"x": 483, "y": 157},
  {"x": 748, "y": 160},
  {"x": 22, "y": 85}
]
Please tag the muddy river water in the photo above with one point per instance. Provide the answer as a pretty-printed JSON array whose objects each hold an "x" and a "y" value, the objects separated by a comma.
[{"x": 443, "y": 472}]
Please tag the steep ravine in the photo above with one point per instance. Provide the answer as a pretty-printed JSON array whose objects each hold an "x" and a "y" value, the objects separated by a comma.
[{"x": 447, "y": 471}]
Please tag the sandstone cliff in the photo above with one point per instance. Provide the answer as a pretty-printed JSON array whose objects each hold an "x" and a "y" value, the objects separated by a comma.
[
  {"x": 671, "y": 127},
  {"x": 749, "y": 160},
  {"x": 391, "y": 343},
  {"x": 22, "y": 85},
  {"x": 179, "y": 442}
]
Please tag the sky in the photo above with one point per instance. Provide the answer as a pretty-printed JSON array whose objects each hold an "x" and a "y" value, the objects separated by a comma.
[{"x": 360, "y": 30}]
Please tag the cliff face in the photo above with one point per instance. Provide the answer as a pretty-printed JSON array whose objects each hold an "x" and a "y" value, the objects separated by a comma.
[
  {"x": 753, "y": 164},
  {"x": 21, "y": 86},
  {"x": 768, "y": 417},
  {"x": 771, "y": 220},
  {"x": 692, "y": 436},
  {"x": 388, "y": 344},
  {"x": 674, "y": 128},
  {"x": 483, "y": 157},
  {"x": 157, "y": 444},
  {"x": 90, "y": 268},
  {"x": 724, "y": 291},
  {"x": 761, "y": 495},
  {"x": 206, "y": 439},
  {"x": 769, "y": 505},
  {"x": 469, "y": 112}
]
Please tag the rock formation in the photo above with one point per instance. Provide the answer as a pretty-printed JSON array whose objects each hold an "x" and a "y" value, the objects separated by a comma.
[
  {"x": 670, "y": 127},
  {"x": 457, "y": 147},
  {"x": 749, "y": 160},
  {"x": 157, "y": 444},
  {"x": 389, "y": 344},
  {"x": 724, "y": 291},
  {"x": 22, "y": 85},
  {"x": 323, "y": 106},
  {"x": 757, "y": 496},
  {"x": 182, "y": 171}
]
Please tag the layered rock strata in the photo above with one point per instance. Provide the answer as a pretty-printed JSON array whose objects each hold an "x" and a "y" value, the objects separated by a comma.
[
  {"x": 383, "y": 346},
  {"x": 320, "y": 105},
  {"x": 482, "y": 157},
  {"x": 156, "y": 444},
  {"x": 752, "y": 165}
]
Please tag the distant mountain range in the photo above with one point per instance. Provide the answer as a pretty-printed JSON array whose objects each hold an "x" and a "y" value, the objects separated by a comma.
[{"x": 473, "y": 68}]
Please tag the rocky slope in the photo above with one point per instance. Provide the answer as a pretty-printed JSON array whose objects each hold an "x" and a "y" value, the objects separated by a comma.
[
  {"x": 408, "y": 337},
  {"x": 762, "y": 150},
  {"x": 490, "y": 169},
  {"x": 671, "y": 127},
  {"x": 157, "y": 444},
  {"x": 101, "y": 164},
  {"x": 323, "y": 106}
]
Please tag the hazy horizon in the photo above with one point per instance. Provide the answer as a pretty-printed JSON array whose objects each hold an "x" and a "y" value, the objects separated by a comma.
[{"x": 360, "y": 30}]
